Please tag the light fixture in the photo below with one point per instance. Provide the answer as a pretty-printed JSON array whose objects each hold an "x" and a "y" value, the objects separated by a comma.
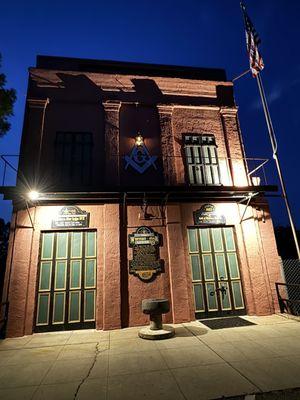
[
  {"x": 33, "y": 195},
  {"x": 139, "y": 141},
  {"x": 255, "y": 180}
]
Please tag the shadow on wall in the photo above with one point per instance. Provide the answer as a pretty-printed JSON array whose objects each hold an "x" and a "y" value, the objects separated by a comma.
[
  {"x": 79, "y": 100},
  {"x": 81, "y": 88},
  {"x": 141, "y": 118}
]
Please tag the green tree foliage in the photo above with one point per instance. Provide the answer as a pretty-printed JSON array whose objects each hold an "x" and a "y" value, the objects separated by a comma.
[{"x": 7, "y": 99}]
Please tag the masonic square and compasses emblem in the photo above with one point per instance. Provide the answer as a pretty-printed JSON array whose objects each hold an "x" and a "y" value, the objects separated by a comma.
[{"x": 140, "y": 158}]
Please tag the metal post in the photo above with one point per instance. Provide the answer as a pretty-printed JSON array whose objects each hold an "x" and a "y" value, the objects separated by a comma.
[
  {"x": 29, "y": 215},
  {"x": 4, "y": 174},
  {"x": 275, "y": 156}
]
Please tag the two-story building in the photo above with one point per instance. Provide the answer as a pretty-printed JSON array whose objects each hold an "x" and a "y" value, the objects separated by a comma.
[{"x": 133, "y": 183}]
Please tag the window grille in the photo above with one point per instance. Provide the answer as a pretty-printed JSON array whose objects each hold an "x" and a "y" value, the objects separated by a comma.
[
  {"x": 73, "y": 158},
  {"x": 202, "y": 160}
]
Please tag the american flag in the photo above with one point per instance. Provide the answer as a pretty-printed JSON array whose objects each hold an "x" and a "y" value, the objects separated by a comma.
[{"x": 253, "y": 41}]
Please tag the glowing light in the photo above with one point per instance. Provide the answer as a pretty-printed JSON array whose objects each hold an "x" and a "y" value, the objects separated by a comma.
[
  {"x": 33, "y": 195},
  {"x": 139, "y": 141},
  {"x": 256, "y": 180}
]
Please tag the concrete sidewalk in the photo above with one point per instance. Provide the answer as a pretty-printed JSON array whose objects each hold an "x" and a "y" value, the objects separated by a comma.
[{"x": 198, "y": 363}]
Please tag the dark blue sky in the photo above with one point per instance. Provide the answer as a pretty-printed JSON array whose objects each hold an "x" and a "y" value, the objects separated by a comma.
[{"x": 202, "y": 33}]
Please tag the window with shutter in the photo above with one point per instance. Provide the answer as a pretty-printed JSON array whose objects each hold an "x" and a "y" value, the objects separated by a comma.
[{"x": 202, "y": 160}]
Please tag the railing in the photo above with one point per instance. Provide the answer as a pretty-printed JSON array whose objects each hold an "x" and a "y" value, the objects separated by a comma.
[
  {"x": 288, "y": 295},
  {"x": 221, "y": 171},
  {"x": 9, "y": 169},
  {"x": 228, "y": 171},
  {"x": 199, "y": 170},
  {"x": 258, "y": 169}
]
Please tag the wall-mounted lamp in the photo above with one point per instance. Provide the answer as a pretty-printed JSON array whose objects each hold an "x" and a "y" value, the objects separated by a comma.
[
  {"x": 33, "y": 195},
  {"x": 255, "y": 180},
  {"x": 139, "y": 140}
]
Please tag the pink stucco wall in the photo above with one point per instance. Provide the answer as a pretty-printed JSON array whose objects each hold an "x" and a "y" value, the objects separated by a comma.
[
  {"x": 114, "y": 107},
  {"x": 257, "y": 254}
]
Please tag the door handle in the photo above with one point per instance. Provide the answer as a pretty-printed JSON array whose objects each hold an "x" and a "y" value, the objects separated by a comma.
[{"x": 221, "y": 289}]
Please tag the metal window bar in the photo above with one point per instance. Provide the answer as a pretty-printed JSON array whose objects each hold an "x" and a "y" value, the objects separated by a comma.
[{"x": 8, "y": 167}]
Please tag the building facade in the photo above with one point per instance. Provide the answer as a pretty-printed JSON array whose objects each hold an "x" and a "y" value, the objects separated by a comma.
[{"x": 133, "y": 183}]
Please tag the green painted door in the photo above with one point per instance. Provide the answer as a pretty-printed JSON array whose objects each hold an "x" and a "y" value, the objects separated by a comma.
[
  {"x": 215, "y": 272},
  {"x": 66, "y": 287}
]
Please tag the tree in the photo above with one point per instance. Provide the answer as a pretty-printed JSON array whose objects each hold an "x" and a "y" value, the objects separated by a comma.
[{"x": 7, "y": 99}]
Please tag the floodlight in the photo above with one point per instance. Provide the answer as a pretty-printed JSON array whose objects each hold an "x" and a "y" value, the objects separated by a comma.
[{"x": 33, "y": 195}]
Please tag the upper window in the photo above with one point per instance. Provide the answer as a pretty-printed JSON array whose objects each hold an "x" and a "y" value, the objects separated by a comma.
[
  {"x": 73, "y": 158},
  {"x": 202, "y": 160}
]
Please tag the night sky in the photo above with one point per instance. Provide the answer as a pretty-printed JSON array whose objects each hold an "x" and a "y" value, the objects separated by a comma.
[{"x": 199, "y": 33}]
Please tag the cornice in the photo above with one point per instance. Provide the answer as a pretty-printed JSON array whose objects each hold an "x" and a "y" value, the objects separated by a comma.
[
  {"x": 229, "y": 111},
  {"x": 200, "y": 107},
  {"x": 165, "y": 109},
  {"x": 37, "y": 103},
  {"x": 111, "y": 106}
]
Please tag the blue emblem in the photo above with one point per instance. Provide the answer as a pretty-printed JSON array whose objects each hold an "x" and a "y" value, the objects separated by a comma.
[{"x": 140, "y": 158}]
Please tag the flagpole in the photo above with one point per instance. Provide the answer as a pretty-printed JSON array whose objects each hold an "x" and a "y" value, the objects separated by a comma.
[{"x": 275, "y": 156}]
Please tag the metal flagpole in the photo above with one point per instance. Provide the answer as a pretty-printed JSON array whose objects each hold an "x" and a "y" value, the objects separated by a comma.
[
  {"x": 256, "y": 66},
  {"x": 275, "y": 156}
]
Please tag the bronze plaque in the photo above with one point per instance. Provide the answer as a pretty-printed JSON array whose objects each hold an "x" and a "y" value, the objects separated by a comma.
[{"x": 145, "y": 250}]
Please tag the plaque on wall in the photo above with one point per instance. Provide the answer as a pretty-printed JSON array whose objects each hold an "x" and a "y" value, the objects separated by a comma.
[
  {"x": 207, "y": 215},
  {"x": 145, "y": 245},
  {"x": 71, "y": 217}
]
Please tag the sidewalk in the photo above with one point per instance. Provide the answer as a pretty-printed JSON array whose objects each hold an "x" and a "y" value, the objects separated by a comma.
[{"x": 198, "y": 363}]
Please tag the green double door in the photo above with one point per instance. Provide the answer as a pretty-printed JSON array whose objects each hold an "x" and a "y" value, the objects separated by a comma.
[
  {"x": 215, "y": 271},
  {"x": 66, "y": 286}
]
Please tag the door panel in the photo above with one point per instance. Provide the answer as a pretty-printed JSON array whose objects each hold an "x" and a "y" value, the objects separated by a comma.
[
  {"x": 59, "y": 303},
  {"x": 204, "y": 240},
  {"x": 198, "y": 293},
  {"x": 66, "y": 294},
  {"x": 215, "y": 272},
  {"x": 89, "y": 305},
  {"x": 43, "y": 308},
  {"x": 60, "y": 279},
  {"x": 45, "y": 276},
  {"x": 212, "y": 302}
]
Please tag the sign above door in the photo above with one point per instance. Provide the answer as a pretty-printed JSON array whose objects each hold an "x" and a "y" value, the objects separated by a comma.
[
  {"x": 207, "y": 215},
  {"x": 71, "y": 217}
]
